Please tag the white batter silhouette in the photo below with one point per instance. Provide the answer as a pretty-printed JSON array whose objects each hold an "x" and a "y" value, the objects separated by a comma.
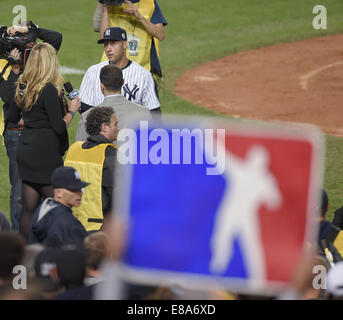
[{"x": 250, "y": 185}]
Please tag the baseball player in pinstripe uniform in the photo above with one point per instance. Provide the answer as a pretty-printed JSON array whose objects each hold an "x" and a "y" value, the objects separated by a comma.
[{"x": 139, "y": 85}]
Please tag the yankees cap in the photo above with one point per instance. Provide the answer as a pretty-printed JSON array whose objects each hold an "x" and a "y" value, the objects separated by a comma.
[
  {"x": 114, "y": 34},
  {"x": 67, "y": 178}
]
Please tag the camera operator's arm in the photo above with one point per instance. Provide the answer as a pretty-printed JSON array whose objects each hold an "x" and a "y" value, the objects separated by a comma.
[
  {"x": 105, "y": 21},
  {"x": 97, "y": 17},
  {"x": 50, "y": 36},
  {"x": 13, "y": 29}
]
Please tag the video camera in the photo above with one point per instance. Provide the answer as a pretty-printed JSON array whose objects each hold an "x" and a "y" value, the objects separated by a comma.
[{"x": 18, "y": 41}]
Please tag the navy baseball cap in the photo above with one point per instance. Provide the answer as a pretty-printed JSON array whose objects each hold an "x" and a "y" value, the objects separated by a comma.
[
  {"x": 44, "y": 263},
  {"x": 114, "y": 34},
  {"x": 67, "y": 178}
]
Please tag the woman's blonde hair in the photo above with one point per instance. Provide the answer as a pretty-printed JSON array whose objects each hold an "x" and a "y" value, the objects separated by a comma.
[{"x": 42, "y": 68}]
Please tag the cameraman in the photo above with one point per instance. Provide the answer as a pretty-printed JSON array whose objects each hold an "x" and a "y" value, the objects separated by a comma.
[{"x": 10, "y": 70}]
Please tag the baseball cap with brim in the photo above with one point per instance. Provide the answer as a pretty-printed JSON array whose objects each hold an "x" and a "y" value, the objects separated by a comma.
[
  {"x": 67, "y": 178},
  {"x": 44, "y": 263},
  {"x": 114, "y": 34}
]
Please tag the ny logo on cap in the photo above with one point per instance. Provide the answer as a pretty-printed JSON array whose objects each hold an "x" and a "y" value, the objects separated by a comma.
[
  {"x": 77, "y": 175},
  {"x": 107, "y": 32}
]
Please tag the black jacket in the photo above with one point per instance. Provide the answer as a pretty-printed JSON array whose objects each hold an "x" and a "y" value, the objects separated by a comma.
[
  {"x": 53, "y": 225},
  {"x": 326, "y": 238},
  {"x": 338, "y": 218}
]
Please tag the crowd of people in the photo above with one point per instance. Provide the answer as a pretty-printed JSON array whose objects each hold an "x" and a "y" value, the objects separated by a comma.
[
  {"x": 61, "y": 229},
  {"x": 51, "y": 206}
]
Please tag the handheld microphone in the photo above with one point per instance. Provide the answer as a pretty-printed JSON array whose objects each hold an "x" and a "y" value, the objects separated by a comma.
[
  {"x": 22, "y": 87},
  {"x": 72, "y": 93}
]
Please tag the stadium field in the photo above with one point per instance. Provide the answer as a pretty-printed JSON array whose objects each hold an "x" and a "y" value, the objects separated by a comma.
[{"x": 198, "y": 31}]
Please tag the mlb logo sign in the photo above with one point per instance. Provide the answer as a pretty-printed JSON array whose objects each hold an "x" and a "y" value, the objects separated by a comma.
[{"x": 237, "y": 213}]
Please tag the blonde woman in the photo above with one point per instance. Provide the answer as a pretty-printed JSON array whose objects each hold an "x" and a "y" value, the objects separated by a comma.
[{"x": 44, "y": 138}]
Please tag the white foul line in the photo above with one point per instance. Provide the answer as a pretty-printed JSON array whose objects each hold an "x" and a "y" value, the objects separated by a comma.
[
  {"x": 66, "y": 70},
  {"x": 305, "y": 78}
]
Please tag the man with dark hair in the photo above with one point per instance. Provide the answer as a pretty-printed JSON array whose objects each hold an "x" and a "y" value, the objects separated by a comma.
[
  {"x": 95, "y": 160},
  {"x": 139, "y": 86},
  {"x": 111, "y": 81},
  {"x": 71, "y": 266},
  {"x": 71, "y": 271},
  {"x": 111, "y": 78}
]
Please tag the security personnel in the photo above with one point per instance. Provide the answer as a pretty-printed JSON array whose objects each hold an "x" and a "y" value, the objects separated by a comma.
[{"x": 95, "y": 160}]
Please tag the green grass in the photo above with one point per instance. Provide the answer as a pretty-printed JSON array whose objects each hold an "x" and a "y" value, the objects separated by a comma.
[{"x": 198, "y": 31}]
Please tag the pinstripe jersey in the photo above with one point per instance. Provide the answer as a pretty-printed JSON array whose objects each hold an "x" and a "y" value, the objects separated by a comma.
[{"x": 139, "y": 86}]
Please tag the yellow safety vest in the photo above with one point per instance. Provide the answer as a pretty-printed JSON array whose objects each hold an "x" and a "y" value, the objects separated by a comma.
[
  {"x": 135, "y": 30},
  {"x": 3, "y": 64},
  {"x": 338, "y": 243},
  {"x": 89, "y": 163}
]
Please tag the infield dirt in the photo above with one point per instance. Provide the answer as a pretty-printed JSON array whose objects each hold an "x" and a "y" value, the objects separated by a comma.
[{"x": 297, "y": 82}]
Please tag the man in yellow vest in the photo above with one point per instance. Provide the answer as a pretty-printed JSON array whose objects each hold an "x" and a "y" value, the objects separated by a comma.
[
  {"x": 144, "y": 23},
  {"x": 95, "y": 161}
]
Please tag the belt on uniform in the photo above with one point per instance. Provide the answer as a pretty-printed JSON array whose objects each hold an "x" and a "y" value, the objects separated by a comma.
[{"x": 14, "y": 129}]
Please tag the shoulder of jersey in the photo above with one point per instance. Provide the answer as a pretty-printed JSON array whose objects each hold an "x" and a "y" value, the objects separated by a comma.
[{"x": 135, "y": 65}]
